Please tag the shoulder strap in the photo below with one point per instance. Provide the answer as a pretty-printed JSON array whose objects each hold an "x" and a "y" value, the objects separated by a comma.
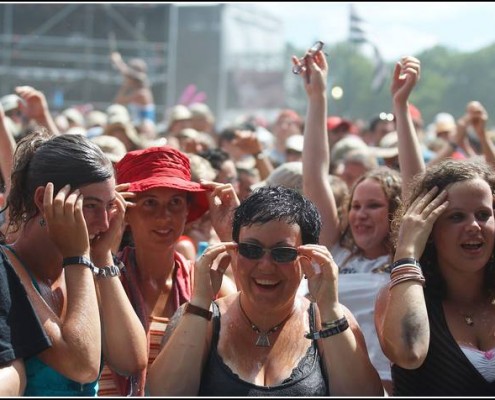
[{"x": 25, "y": 277}]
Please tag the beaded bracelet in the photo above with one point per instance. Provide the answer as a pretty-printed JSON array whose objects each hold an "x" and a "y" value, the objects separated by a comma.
[
  {"x": 329, "y": 331},
  {"x": 406, "y": 271}
]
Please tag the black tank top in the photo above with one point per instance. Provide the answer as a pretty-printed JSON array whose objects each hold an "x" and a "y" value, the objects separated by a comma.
[
  {"x": 307, "y": 379},
  {"x": 446, "y": 371}
]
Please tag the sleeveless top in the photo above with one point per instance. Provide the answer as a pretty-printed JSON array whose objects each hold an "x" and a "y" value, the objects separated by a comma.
[
  {"x": 306, "y": 379},
  {"x": 113, "y": 384},
  {"x": 21, "y": 332},
  {"x": 446, "y": 370},
  {"x": 43, "y": 380}
]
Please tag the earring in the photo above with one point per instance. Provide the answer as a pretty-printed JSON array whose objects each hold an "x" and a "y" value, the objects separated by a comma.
[{"x": 42, "y": 221}]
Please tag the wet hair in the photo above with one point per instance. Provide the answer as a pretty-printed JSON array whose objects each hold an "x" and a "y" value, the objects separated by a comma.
[
  {"x": 390, "y": 181},
  {"x": 441, "y": 175},
  {"x": 41, "y": 158},
  {"x": 278, "y": 203}
]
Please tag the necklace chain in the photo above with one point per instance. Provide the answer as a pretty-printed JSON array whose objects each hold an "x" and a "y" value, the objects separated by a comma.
[
  {"x": 469, "y": 317},
  {"x": 262, "y": 340}
]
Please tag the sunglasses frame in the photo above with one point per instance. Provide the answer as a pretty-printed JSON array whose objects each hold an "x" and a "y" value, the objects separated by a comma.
[
  {"x": 297, "y": 69},
  {"x": 273, "y": 256}
]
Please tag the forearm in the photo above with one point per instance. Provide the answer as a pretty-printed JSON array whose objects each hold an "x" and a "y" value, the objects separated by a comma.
[
  {"x": 76, "y": 339},
  {"x": 121, "y": 328},
  {"x": 487, "y": 148},
  {"x": 404, "y": 333},
  {"x": 316, "y": 165},
  {"x": 264, "y": 166},
  {"x": 7, "y": 148},
  {"x": 402, "y": 320},
  {"x": 47, "y": 121},
  {"x": 346, "y": 359},
  {"x": 187, "y": 347},
  {"x": 410, "y": 158}
]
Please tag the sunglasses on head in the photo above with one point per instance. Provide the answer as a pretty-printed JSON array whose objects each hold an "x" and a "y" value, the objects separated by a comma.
[{"x": 278, "y": 254}]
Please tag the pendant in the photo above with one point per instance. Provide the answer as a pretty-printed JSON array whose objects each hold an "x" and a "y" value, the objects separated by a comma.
[
  {"x": 262, "y": 340},
  {"x": 469, "y": 320}
]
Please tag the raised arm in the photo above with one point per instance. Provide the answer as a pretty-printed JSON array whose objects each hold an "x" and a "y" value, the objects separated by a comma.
[
  {"x": 401, "y": 318},
  {"x": 177, "y": 369},
  {"x": 7, "y": 148},
  {"x": 36, "y": 107},
  {"x": 316, "y": 149},
  {"x": 121, "y": 327},
  {"x": 405, "y": 77},
  {"x": 478, "y": 119},
  {"x": 76, "y": 336}
]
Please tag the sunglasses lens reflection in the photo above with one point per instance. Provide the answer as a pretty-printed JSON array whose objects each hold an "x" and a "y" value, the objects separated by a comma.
[
  {"x": 278, "y": 254},
  {"x": 251, "y": 251},
  {"x": 284, "y": 254}
]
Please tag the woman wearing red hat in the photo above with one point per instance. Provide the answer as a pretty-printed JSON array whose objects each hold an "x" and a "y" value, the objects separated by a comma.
[{"x": 157, "y": 278}]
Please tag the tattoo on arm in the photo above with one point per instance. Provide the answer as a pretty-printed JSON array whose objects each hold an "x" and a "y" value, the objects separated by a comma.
[{"x": 172, "y": 324}]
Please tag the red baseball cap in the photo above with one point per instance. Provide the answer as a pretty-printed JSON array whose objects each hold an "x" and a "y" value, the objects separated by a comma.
[
  {"x": 335, "y": 122},
  {"x": 162, "y": 167}
]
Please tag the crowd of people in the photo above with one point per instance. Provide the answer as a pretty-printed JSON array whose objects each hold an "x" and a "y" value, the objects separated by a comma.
[{"x": 310, "y": 256}]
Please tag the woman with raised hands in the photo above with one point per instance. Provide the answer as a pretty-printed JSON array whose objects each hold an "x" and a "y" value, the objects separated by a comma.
[
  {"x": 158, "y": 279},
  {"x": 266, "y": 339},
  {"x": 64, "y": 203},
  {"x": 361, "y": 243},
  {"x": 435, "y": 319}
]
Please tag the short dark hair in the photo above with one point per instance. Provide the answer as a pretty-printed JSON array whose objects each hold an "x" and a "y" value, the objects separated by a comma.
[
  {"x": 216, "y": 157},
  {"x": 41, "y": 158},
  {"x": 272, "y": 203}
]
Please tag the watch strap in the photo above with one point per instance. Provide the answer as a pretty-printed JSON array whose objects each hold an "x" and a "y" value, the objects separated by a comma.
[
  {"x": 192, "y": 309},
  {"x": 80, "y": 260}
]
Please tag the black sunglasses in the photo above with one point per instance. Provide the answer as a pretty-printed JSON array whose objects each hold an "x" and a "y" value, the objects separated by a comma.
[{"x": 278, "y": 254}]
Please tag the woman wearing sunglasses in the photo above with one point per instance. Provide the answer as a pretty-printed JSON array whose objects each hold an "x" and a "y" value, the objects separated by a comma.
[{"x": 266, "y": 339}]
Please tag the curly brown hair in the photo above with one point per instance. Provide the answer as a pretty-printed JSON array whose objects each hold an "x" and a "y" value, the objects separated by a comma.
[
  {"x": 441, "y": 175},
  {"x": 390, "y": 181}
]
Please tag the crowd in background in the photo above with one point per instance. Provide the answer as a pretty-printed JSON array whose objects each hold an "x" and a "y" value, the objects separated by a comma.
[{"x": 363, "y": 177}]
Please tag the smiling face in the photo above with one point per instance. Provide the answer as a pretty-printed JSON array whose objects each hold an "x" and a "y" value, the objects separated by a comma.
[
  {"x": 368, "y": 218},
  {"x": 158, "y": 218},
  {"x": 264, "y": 281},
  {"x": 464, "y": 234},
  {"x": 99, "y": 201}
]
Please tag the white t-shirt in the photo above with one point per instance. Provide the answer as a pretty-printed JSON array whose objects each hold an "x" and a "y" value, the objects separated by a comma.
[{"x": 358, "y": 288}]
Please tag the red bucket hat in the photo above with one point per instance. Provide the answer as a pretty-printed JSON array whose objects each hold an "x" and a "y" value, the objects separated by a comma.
[{"x": 162, "y": 166}]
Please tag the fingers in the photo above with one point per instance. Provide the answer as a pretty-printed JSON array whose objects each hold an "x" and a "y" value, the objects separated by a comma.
[
  {"x": 316, "y": 259},
  {"x": 220, "y": 193}
]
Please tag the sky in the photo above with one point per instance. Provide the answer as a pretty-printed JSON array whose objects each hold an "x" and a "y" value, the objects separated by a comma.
[{"x": 397, "y": 28}]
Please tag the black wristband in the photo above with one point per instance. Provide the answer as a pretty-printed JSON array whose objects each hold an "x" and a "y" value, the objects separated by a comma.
[
  {"x": 192, "y": 309},
  {"x": 329, "y": 331},
  {"x": 404, "y": 261},
  {"x": 81, "y": 260}
]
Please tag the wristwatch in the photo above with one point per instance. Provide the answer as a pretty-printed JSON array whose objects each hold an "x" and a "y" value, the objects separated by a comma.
[
  {"x": 110, "y": 271},
  {"x": 192, "y": 309}
]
